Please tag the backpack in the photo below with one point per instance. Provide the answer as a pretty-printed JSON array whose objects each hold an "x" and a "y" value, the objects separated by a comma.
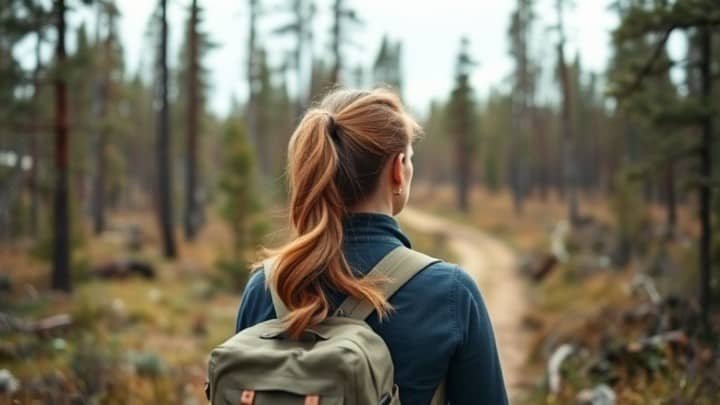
[{"x": 340, "y": 361}]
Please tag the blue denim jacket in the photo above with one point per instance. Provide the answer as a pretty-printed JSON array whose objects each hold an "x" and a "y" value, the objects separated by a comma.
[{"x": 439, "y": 327}]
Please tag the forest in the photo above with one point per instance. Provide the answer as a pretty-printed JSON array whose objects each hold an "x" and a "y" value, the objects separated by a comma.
[{"x": 584, "y": 202}]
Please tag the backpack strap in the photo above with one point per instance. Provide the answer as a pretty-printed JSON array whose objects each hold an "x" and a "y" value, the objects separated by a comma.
[
  {"x": 280, "y": 309},
  {"x": 395, "y": 269}
]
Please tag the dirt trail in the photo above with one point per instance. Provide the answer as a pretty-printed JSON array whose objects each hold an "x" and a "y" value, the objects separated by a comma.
[{"x": 492, "y": 264}]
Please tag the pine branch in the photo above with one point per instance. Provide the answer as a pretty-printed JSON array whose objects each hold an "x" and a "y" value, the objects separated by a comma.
[{"x": 647, "y": 67}]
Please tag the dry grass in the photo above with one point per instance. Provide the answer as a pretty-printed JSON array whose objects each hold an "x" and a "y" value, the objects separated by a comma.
[{"x": 178, "y": 317}]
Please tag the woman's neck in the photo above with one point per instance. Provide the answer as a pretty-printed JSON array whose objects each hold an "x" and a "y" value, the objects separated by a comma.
[{"x": 373, "y": 205}]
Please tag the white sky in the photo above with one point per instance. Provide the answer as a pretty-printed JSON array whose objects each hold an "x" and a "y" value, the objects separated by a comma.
[{"x": 429, "y": 30}]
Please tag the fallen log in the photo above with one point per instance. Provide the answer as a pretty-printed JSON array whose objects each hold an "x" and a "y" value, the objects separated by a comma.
[
  {"x": 51, "y": 324},
  {"x": 42, "y": 327},
  {"x": 555, "y": 363},
  {"x": 124, "y": 268}
]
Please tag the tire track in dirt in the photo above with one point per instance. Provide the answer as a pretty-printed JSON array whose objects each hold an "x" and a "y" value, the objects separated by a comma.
[{"x": 492, "y": 264}]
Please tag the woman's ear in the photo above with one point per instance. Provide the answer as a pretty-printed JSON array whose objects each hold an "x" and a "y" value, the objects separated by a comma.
[{"x": 398, "y": 172}]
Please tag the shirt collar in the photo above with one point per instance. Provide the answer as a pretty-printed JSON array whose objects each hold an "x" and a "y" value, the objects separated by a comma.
[{"x": 373, "y": 226}]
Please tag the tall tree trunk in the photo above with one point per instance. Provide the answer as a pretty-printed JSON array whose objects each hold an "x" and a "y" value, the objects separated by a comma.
[
  {"x": 8, "y": 192},
  {"x": 192, "y": 209},
  {"x": 251, "y": 107},
  {"x": 33, "y": 175},
  {"x": 61, "y": 216},
  {"x": 463, "y": 175},
  {"x": 299, "y": 54},
  {"x": 543, "y": 169},
  {"x": 336, "y": 32},
  {"x": 705, "y": 193},
  {"x": 569, "y": 149},
  {"x": 670, "y": 200},
  {"x": 103, "y": 94},
  {"x": 164, "y": 186}
]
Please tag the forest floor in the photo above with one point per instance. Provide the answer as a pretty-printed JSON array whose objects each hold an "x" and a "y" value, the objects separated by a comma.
[{"x": 133, "y": 339}]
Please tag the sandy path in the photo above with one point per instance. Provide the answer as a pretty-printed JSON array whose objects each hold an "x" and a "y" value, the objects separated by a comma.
[{"x": 492, "y": 264}]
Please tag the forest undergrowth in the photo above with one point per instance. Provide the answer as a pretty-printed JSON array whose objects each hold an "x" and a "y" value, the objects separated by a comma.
[{"x": 602, "y": 332}]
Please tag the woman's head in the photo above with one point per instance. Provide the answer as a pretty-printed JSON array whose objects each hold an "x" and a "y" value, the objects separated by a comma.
[{"x": 351, "y": 151}]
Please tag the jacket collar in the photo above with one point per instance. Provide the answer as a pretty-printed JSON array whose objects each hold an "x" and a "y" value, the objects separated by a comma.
[{"x": 372, "y": 226}]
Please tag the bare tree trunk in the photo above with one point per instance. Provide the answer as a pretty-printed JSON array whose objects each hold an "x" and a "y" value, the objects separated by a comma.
[
  {"x": 670, "y": 200},
  {"x": 61, "y": 216},
  {"x": 251, "y": 107},
  {"x": 164, "y": 206},
  {"x": 33, "y": 175},
  {"x": 705, "y": 193},
  {"x": 103, "y": 94},
  {"x": 569, "y": 149},
  {"x": 543, "y": 168},
  {"x": 33, "y": 185},
  {"x": 336, "y": 32},
  {"x": 8, "y": 192},
  {"x": 192, "y": 209},
  {"x": 463, "y": 176},
  {"x": 299, "y": 54}
]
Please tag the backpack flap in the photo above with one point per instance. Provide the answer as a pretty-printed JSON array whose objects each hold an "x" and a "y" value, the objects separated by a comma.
[{"x": 345, "y": 364}]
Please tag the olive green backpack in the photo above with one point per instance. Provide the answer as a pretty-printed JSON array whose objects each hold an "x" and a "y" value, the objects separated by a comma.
[{"x": 341, "y": 361}]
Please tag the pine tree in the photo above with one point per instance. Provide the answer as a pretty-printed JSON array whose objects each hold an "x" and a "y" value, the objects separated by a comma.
[
  {"x": 163, "y": 146},
  {"x": 658, "y": 20},
  {"x": 274, "y": 117},
  {"x": 300, "y": 28},
  {"x": 320, "y": 80},
  {"x": 61, "y": 215},
  {"x": 461, "y": 116},
  {"x": 193, "y": 85},
  {"x": 252, "y": 73},
  {"x": 641, "y": 108},
  {"x": 106, "y": 66},
  {"x": 344, "y": 19},
  {"x": 239, "y": 204},
  {"x": 569, "y": 141},
  {"x": 19, "y": 109},
  {"x": 520, "y": 33},
  {"x": 387, "y": 69}
]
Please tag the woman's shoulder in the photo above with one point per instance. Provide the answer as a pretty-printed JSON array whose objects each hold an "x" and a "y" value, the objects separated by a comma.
[
  {"x": 256, "y": 303},
  {"x": 256, "y": 284},
  {"x": 443, "y": 274},
  {"x": 449, "y": 277}
]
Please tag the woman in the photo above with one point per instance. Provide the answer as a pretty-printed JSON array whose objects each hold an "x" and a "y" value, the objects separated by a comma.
[{"x": 350, "y": 170}]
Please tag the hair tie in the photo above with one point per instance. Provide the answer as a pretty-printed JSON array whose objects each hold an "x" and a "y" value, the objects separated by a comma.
[{"x": 332, "y": 128}]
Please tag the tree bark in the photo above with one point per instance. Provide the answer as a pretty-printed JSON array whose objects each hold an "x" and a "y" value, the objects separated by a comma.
[
  {"x": 192, "y": 214},
  {"x": 299, "y": 57},
  {"x": 463, "y": 176},
  {"x": 33, "y": 175},
  {"x": 164, "y": 206},
  {"x": 103, "y": 94},
  {"x": 336, "y": 32},
  {"x": 61, "y": 216},
  {"x": 569, "y": 150},
  {"x": 705, "y": 192},
  {"x": 670, "y": 200},
  {"x": 251, "y": 107}
]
